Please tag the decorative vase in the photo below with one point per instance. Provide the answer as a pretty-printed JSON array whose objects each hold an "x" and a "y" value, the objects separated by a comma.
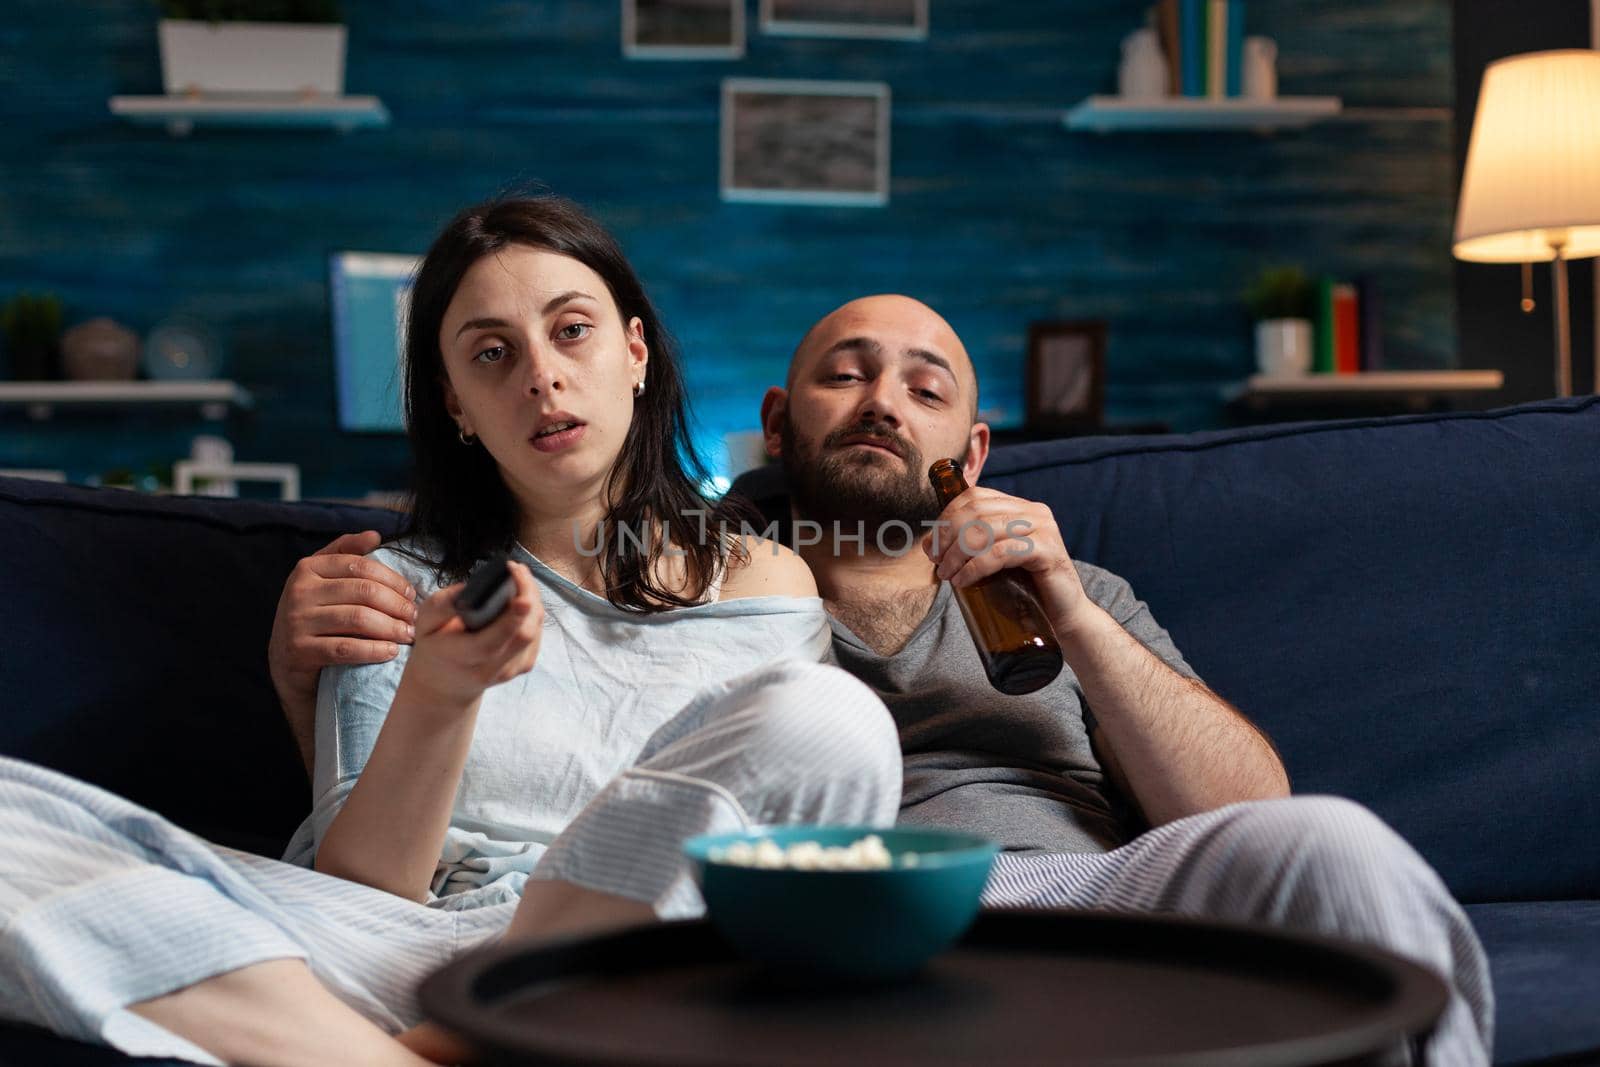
[
  {"x": 100, "y": 350},
  {"x": 1143, "y": 73},
  {"x": 1283, "y": 347},
  {"x": 252, "y": 57},
  {"x": 1260, "y": 75}
]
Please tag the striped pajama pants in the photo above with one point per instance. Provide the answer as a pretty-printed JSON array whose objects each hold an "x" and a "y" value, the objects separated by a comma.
[
  {"x": 104, "y": 904},
  {"x": 1318, "y": 864}
]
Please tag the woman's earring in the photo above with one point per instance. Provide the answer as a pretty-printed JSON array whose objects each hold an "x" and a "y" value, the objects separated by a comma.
[
  {"x": 466, "y": 438},
  {"x": 638, "y": 389}
]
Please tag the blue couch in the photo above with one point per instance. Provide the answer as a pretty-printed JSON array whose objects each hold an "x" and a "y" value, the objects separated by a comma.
[{"x": 1410, "y": 606}]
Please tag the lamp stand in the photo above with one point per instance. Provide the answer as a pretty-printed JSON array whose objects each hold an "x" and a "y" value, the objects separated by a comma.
[{"x": 1558, "y": 281}]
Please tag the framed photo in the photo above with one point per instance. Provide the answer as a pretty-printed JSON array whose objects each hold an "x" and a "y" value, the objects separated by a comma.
[
  {"x": 902, "y": 19},
  {"x": 683, "y": 29},
  {"x": 1066, "y": 376},
  {"x": 805, "y": 142}
]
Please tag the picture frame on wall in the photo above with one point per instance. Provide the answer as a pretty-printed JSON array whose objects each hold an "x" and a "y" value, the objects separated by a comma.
[
  {"x": 893, "y": 19},
  {"x": 683, "y": 29},
  {"x": 805, "y": 142},
  {"x": 1066, "y": 374}
]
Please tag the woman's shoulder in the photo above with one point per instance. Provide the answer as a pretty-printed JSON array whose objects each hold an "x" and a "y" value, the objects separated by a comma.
[
  {"x": 414, "y": 559},
  {"x": 766, "y": 568}
]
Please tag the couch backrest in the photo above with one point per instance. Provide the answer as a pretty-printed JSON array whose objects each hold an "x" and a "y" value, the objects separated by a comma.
[
  {"x": 1409, "y": 606},
  {"x": 133, "y": 648}
]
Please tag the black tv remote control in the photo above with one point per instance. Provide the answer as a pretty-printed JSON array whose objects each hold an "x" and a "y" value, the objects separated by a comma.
[{"x": 488, "y": 590}]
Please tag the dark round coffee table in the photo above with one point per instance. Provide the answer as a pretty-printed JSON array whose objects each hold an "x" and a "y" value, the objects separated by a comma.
[{"x": 1022, "y": 986}]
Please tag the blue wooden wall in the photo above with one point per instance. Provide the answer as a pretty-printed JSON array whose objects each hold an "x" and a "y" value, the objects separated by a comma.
[{"x": 998, "y": 215}]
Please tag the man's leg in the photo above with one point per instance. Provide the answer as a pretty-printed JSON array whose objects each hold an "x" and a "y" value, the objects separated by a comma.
[{"x": 1320, "y": 864}]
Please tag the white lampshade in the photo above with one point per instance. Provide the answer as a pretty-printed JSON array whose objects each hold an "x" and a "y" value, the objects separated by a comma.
[{"x": 1534, "y": 162}]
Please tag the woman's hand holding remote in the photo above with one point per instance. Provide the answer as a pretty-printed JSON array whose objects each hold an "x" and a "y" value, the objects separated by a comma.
[
  {"x": 390, "y": 831},
  {"x": 451, "y": 667}
]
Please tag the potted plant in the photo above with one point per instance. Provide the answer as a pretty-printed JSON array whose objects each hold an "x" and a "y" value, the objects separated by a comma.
[
  {"x": 252, "y": 46},
  {"x": 1281, "y": 301},
  {"x": 32, "y": 326}
]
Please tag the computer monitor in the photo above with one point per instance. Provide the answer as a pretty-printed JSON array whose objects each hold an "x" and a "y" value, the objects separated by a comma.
[{"x": 370, "y": 293}]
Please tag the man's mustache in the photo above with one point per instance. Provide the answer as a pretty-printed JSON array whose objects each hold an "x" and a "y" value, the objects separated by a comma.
[{"x": 875, "y": 431}]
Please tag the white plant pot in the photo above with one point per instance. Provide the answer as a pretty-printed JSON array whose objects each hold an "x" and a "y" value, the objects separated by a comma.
[
  {"x": 251, "y": 57},
  {"x": 1283, "y": 347}
]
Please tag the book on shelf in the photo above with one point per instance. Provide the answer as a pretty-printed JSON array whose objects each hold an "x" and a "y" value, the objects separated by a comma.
[
  {"x": 1370, "y": 302},
  {"x": 1341, "y": 324},
  {"x": 1191, "y": 51},
  {"x": 1216, "y": 49},
  {"x": 1346, "y": 330},
  {"x": 1169, "y": 28},
  {"x": 1233, "y": 48},
  {"x": 1322, "y": 346},
  {"x": 1203, "y": 41}
]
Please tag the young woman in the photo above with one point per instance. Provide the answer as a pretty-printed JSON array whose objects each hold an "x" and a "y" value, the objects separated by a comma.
[{"x": 651, "y": 679}]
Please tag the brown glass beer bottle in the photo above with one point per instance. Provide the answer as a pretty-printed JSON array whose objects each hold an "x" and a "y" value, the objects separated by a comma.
[{"x": 1015, "y": 643}]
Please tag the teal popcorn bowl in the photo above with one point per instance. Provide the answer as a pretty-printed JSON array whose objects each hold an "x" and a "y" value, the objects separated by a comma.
[{"x": 865, "y": 925}]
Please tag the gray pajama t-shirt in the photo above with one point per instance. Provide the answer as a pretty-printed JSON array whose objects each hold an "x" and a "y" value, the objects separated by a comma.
[{"x": 1018, "y": 769}]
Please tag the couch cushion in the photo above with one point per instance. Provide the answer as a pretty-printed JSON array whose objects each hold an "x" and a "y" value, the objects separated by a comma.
[
  {"x": 1545, "y": 960},
  {"x": 25, "y": 1045},
  {"x": 135, "y": 635},
  {"x": 1409, "y": 606}
]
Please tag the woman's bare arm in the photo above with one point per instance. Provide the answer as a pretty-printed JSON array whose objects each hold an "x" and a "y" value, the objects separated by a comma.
[{"x": 390, "y": 832}]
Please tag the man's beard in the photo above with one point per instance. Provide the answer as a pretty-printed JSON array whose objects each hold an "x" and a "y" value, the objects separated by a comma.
[{"x": 850, "y": 486}]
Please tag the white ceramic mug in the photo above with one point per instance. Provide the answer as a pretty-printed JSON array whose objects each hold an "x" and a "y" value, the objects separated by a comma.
[{"x": 1283, "y": 347}]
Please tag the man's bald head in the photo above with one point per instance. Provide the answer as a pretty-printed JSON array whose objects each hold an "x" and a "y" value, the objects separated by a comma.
[
  {"x": 876, "y": 390},
  {"x": 891, "y": 321}
]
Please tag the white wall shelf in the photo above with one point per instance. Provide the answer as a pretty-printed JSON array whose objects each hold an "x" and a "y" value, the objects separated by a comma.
[
  {"x": 1368, "y": 385},
  {"x": 1113, "y": 114},
  {"x": 181, "y": 114},
  {"x": 40, "y": 399}
]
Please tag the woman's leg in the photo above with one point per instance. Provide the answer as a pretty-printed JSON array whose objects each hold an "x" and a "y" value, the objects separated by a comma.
[
  {"x": 552, "y": 909},
  {"x": 114, "y": 922},
  {"x": 793, "y": 742},
  {"x": 274, "y": 1014}
]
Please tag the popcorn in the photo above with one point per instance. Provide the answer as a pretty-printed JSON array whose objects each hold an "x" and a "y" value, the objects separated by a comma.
[{"x": 867, "y": 854}]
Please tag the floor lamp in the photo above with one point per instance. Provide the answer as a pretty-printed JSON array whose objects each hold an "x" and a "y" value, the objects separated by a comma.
[{"x": 1531, "y": 190}]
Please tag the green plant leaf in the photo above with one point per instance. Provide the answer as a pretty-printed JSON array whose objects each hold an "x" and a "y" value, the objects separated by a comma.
[{"x": 1282, "y": 292}]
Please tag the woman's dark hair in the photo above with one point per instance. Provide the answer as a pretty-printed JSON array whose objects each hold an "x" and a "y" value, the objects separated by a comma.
[{"x": 461, "y": 507}]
